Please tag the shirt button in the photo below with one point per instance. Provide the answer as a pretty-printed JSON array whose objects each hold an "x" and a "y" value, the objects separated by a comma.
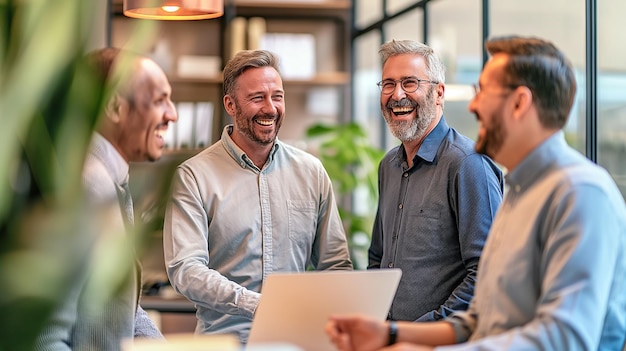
[
  {"x": 390, "y": 265},
  {"x": 405, "y": 174},
  {"x": 400, "y": 206},
  {"x": 518, "y": 188}
]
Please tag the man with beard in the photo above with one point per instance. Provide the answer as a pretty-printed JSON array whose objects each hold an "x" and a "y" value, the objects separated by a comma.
[
  {"x": 248, "y": 206},
  {"x": 553, "y": 273},
  {"x": 437, "y": 195}
]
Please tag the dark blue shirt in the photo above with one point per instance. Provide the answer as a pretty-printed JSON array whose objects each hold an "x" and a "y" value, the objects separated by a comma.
[{"x": 432, "y": 222}]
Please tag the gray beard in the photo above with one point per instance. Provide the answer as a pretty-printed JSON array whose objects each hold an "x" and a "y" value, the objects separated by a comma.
[{"x": 411, "y": 130}]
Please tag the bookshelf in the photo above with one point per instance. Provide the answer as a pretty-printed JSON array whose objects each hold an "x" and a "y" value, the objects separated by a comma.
[{"x": 322, "y": 96}]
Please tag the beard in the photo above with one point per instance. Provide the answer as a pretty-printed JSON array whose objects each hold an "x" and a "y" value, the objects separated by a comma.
[
  {"x": 246, "y": 124},
  {"x": 490, "y": 142},
  {"x": 416, "y": 128}
]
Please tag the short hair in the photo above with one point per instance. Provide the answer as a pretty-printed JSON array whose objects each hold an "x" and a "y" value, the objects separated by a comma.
[
  {"x": 244, "y": 60},
  {"x": 103, "y": 61},
  {"x": 539, "y": 65},
  {"x": 436, "y": 70}
]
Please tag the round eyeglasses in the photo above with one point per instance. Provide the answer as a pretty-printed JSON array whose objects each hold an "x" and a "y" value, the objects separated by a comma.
[{"x": 409, "y": 84}]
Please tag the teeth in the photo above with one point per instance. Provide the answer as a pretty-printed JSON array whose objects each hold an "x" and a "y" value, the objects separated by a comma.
[
  {"x": 161, "y": 133},
  {"x": 405, "y": 109},
  {"x": 265, "y": 122}
]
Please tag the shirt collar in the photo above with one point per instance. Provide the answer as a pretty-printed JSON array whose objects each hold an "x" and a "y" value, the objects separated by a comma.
[
  {"x": 549, "y": 154},
  {"x": 430, "y": 145},
  {"x": 102, "y": 149},
  {"x": 237, "y": 154}
]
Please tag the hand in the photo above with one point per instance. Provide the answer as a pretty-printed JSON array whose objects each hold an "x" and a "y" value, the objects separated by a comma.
[{"x": 357, "y": 333}]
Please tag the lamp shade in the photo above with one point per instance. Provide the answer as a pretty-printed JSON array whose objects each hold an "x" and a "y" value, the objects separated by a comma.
[{"x": 174, "y": 9}]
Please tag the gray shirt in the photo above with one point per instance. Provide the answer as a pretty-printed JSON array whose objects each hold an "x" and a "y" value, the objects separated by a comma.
[
  {"x": 229, "y": 225},
  {"x": 88, "y": 318},
  {"x": 553, "y": 272}
]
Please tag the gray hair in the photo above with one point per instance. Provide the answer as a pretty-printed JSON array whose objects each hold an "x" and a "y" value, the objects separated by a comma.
[{"x": 436, "y": 70}]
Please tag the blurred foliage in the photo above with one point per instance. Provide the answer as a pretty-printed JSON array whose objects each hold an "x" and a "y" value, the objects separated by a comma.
[
  {"x": 50, "y": 103},
  {"x": 352, "y": 164}
]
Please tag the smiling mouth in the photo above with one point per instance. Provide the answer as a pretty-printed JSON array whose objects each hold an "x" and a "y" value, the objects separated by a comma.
[
  {"x": 404, "y": 110},
  {"x": 264, "y": 122},
  {"x": 160, "y": 133}
]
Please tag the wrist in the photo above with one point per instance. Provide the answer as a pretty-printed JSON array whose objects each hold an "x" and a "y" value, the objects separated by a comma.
[{"x": 393, "y": 333}]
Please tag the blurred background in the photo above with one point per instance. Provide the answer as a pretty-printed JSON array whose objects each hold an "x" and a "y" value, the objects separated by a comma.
[{"x": 329, "y": 50}]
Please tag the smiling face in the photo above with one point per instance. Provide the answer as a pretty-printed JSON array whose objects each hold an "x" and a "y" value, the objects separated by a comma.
[
  {"x": 491, "y": 107},
  {"x": 257, "y": 107},
  {"x": 145, "y": 114},
  {"x": 410, "y": 116}
]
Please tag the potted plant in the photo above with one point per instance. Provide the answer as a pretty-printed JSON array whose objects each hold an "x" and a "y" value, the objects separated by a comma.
[{"x": 352, "y": 164}]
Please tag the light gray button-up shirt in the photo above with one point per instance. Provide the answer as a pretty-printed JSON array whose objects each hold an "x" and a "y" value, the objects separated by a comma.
[{"x": 229, "y": 225}]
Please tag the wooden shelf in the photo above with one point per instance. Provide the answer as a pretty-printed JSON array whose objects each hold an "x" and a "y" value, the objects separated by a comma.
[
  {"x": 328, "y": 21},
  {"x": 207, "y": 80},
  {"x": 291, "y": 8},
  {"x": 245, "y": 7},
  {"x": 329, "y": 78},
  {"x": 295, "y": 4},
  {"x": 324, "y": 78}
]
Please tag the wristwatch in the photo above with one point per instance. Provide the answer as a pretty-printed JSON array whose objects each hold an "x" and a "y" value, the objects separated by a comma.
[{"x": 393, "y": 332}]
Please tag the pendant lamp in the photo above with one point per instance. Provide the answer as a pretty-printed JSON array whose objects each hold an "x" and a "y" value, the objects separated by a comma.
[{"x": 177, "y": 10}]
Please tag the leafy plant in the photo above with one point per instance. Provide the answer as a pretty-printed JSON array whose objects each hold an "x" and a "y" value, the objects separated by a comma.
[
  {"x": 50, "y": 104},
  {"x": 352, "y": 164}
]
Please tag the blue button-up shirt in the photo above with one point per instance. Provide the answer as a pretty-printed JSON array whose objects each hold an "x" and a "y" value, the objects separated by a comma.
[
  {"x": 432, "y": 222},
  {"x": 553, "y": 272}
]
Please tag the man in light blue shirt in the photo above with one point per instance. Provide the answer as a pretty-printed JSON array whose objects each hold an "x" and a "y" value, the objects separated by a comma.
[
  {"x": 248, "y": 206},
  {"x": 553, "y": 272}
]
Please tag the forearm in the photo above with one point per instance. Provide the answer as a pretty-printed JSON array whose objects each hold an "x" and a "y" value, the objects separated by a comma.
[
  {"x": 458, "y": 300},
  {"x": 431, "y": 333},
  {"x": 210, "y": 289}
]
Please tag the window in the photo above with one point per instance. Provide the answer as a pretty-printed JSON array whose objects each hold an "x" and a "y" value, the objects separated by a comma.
[{"x": 612, "y": 90}]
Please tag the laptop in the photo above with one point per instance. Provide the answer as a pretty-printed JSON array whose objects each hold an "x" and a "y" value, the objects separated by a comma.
[{"x": 295, "y": 307}]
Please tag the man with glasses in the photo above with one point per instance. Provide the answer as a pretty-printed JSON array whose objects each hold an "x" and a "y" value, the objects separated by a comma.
[
  {"x": 553, "y": 273},
  {"x": 437, "y": 195}
]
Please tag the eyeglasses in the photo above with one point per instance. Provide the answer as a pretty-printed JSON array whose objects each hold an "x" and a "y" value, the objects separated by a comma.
[
  {"x": 509, "y": 87},
  {"x": 409, "y": 84}
]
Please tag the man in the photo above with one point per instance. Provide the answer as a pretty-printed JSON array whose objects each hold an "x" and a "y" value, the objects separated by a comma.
[
  {"x": 553, "y": 273},
  {"x": 248, "y": 206},
  {"x": 135, "y": 118},
  {"x": 437, "y": 196}
]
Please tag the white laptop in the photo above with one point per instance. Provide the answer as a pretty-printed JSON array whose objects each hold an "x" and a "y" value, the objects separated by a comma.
[{"x": 295, "y": 307}]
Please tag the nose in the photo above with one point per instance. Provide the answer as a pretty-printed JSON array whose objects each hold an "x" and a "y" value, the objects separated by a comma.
[
  {"x": 170, "y": 112},
  {"x": 472, "y": 104},
  {"x": 269, "y": 107},
  {"x": 398, "y": 92}
]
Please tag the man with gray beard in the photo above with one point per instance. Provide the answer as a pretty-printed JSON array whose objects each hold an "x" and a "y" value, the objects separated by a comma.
[{"x": 437, "y": 195}]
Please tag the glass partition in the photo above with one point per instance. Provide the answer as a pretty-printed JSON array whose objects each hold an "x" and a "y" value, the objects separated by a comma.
[
  {"x": 563, "y": 23},
  {"x": 366, "y": 95},
  {"x": 612, "y": 90},
  {"x": 367, "y": 12},
  {"x": 461, "y": 51}
]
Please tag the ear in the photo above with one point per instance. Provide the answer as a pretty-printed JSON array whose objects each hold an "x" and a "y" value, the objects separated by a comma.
[
  {"x": 229, "y": 104},
  {"x": 115, "y": 108},
  {"x": 523, "y": 101},
  {"x": 440, "y": 91}
]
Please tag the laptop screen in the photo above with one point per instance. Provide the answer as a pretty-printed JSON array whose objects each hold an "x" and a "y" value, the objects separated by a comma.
[{"x": 295, "y": 307}]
